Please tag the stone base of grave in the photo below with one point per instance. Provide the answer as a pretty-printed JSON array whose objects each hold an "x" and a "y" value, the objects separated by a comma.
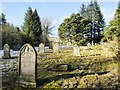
[
  {"x": 60, "y": 67},
  {"x": 27, "y": 84}
]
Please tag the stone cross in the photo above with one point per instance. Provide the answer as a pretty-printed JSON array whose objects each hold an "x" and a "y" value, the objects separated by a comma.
[
  {"x": 56, "y": 47},
  {"x": 88, "y": 46},
  {"x": 28, "y": 66},
  {"x": 6, "y": 51},
  {"x": 41, "y": 48},
  {"x": 76, "y": 51}
]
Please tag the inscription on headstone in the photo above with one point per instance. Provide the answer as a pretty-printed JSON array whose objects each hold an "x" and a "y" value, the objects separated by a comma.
[
  {"x": 6, "y": 51},
  {"x": 41, "y": 48},
  {"x": 56, "y": 47},
  {"x": 28, "y": 65},
  {"x": 76, "y": 51}
]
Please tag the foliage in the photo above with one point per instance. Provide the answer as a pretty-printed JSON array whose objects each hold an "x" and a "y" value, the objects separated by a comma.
[
  {"x": 113, "y": 29},
  {"x": 31, "y": 30},
  {"x": 11, "y": 35},
  {"x": 74, "y": 28},
  {"x": 2, "y": 19},
  {"x": 93, "y": 13}
]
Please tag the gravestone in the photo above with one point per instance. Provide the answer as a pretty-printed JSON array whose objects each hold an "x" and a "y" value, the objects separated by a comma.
[
  {"x": 27, "y": 66},
  {"x": 41, "y": 48},
  {"x": 76, "y": 51},
  {"x": 56, "y": 47},
  {"x": 88, "y": 46},
  {"x": 6, "y": 51},
  {"x": 50, "y": 45}
]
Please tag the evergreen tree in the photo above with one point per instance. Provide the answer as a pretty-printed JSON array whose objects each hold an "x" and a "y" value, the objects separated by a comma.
[
  {"x": 98, "y": 22},
  {"x": 74, "y": 28},
  {"x": 37, "y": 30},
  {"x": 93, "y": 13},
  {"x": 89, "y": 16},
  {"x": 113, "y": 29},
  {"x": 82, "y": 11},
  {"x": 2, "y": 19},
  {"x": 27, "y": 29},
  {"x": 31, "y": 29}
]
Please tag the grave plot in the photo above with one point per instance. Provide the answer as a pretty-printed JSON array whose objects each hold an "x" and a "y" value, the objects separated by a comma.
[{"x": 93, "y": 69}]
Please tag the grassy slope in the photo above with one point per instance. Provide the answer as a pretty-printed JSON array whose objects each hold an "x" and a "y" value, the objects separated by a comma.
[{"x": 96, "y": 68}]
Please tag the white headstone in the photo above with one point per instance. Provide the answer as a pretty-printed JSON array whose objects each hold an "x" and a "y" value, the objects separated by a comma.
[
  {"x": 56, "y": 47},
  {"x": 41, "y": 48},
  {"x": 76, "y": 51}
]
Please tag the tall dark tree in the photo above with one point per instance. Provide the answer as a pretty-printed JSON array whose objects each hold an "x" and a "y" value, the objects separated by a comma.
[
  {"x": 31, "y": 29},
  {"x": 2, "y": 19},
  {"x": 98, "y": 22},
  {"x": 37, "y": 30},
  {"x": 89, "y": 16},
  {"x": 93, "y": 13},
  {"x": 27, "y": 29}
]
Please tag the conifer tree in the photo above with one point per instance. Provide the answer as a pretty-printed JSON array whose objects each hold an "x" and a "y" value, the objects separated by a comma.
[
  {"x": 113, "y": 29},
  {"x": 37, "y": 30},
  {"x": 74, "y": 28},
  {"x": 2, "y": 19},
  {"x": 82, "y": 11},
  {"x": 31, "y": 29}
]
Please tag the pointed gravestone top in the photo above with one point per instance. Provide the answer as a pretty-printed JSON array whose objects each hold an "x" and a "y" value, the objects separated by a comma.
[{"x": 28, "y": 66}]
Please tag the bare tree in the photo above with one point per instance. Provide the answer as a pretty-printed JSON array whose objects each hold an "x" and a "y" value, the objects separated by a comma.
[{"x": 47, "y": 27}]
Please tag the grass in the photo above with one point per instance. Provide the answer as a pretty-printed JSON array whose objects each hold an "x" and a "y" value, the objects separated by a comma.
[{"x": 96, "y": 68}]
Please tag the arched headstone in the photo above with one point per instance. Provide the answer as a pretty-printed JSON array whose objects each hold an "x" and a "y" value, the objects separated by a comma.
[
  {"x": 41, "y": 48},
  {"x": 6, "y": 51},
  {"x": 28, "y": 65}
]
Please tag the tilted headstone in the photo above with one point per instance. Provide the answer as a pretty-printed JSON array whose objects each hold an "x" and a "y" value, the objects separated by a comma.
[
  {"x": 76, "y": 51},
  {"x": 41, "y": 48},
  {"x": 56, "y": 47},
  {"x": 50, "y": 45},
  {"x": 88, "y": 46},
  {"x": 6, "y": 51},
  {"x": 28, "y": 66}
]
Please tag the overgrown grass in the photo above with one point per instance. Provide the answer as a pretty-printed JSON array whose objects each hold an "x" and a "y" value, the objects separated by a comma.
[{"x": 96, "y": 68}]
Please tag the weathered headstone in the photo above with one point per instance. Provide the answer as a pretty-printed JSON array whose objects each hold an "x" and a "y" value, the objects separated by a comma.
[
  {"x": 88, "y": 46},
  {"x": 76, "y": 51},
  {"x": 51, "y": 45},
  {"x": 56, "y": 47},
  {"x": 28, "y": 66},
  {"x": 6, "y": 51},
  {"x": 41, "y": 48}
]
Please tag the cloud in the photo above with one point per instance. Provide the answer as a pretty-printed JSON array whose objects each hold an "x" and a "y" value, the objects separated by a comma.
[{"x": 65, "y": 17}]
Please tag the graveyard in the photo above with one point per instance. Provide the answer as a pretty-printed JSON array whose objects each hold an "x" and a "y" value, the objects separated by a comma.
[
  {"x": 94, "y": 68},
  {"x": 60, "y": 45}
]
